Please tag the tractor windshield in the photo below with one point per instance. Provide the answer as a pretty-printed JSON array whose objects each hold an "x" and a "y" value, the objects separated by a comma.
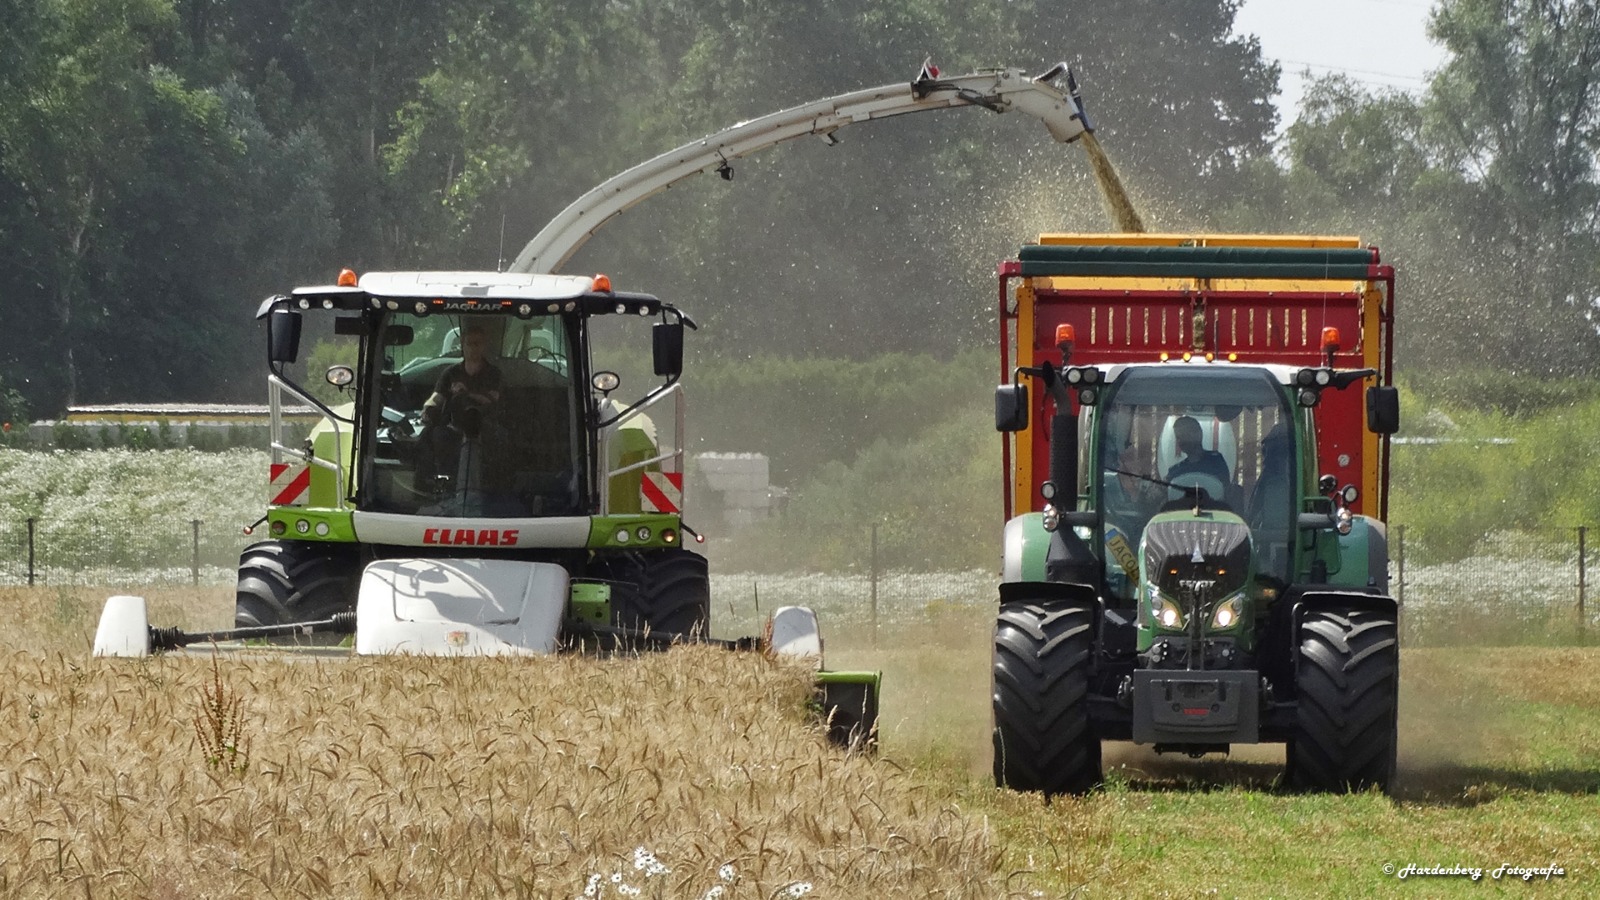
[
  {"x": 1168, "y": 430},
  {"x": 474, "y": 415}
]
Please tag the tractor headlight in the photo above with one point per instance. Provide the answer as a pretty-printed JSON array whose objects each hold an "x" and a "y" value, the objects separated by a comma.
[
  {"x": 1051, "y": 517},
  {"x": 1167, "y": 613},
  {"x": 1228, "y": 612}
]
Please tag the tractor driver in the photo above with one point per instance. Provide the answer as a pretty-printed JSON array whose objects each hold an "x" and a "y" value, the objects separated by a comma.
[{"x": 1189, "y": 437}]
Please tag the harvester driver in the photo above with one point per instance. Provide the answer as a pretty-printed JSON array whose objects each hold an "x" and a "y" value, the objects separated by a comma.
[
  {"x": 473, "y": 383},
  {"x": 454, "y": 414}
]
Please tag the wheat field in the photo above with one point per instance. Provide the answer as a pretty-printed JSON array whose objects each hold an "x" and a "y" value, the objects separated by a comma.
[{"x": 691, "y": 773}]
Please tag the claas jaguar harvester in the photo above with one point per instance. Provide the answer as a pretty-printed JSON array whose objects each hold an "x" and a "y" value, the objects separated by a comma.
[
  {"x": 475, "y": 486},
  {"x": 1195, "y": 553}
]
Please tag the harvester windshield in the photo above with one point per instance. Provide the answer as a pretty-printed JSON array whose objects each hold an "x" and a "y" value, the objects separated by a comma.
[
  {"x": 1167, "y": 430},
  {"x": 475, "y": 416}
]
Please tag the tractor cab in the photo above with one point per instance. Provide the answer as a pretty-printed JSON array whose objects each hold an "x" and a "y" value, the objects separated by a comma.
[{"x": 1169, "y": 438}]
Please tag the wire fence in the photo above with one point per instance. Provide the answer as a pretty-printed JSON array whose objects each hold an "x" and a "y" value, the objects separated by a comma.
[
  {"x": 39, "y": 552},
  {"x": 1514, "y": 587}
]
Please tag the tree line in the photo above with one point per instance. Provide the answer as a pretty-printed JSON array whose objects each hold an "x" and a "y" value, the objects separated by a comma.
[{"x": 166, "y": 164}]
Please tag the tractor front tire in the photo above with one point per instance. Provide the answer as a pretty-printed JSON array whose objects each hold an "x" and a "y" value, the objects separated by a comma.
[
  {"x": 1349, "y": 684},
  {"x": 295, "y": 581},
  {"x": 1043, "y": 740},
  {"x": 661, "y": 590}
]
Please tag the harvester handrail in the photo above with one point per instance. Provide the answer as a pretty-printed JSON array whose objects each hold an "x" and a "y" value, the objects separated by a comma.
[
  {"x": 275, "y": 386},
  {"x": 675, "y": 455}
]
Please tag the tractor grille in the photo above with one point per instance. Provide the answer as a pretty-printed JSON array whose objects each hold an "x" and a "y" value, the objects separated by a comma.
[{"x": 1223, "y": 548}]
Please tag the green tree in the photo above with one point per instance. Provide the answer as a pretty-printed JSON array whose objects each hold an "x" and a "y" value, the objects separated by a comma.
[{"x": 1515, "y": 113}]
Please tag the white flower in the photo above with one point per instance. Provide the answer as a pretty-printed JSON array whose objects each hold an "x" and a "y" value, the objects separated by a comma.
[
  {"x": 646, "y": 861},
  {"x": 727, "y": 873}
]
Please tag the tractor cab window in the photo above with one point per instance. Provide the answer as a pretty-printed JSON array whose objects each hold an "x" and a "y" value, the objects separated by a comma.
[
  {"x": 1168, "y": 433},
  {"x": 474, "y": 416}
]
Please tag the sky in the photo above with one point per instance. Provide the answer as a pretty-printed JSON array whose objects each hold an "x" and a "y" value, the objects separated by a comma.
[{"x": 1379, "y": 43}]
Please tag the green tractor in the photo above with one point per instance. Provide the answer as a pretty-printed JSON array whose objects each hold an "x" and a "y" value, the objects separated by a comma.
[{"x": 1192, "y": 581}]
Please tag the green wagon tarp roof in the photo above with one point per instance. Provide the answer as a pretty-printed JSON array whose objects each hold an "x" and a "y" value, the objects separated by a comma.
[{"x": 1199, "y": 262}]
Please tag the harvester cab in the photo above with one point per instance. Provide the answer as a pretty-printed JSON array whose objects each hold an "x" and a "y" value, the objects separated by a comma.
[{"x": 1201, "y": 572}]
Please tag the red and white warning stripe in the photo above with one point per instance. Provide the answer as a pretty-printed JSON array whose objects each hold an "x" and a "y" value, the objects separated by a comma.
[
  {"x": 661, "y": 492},
  {"x": 290, "y": 485}
]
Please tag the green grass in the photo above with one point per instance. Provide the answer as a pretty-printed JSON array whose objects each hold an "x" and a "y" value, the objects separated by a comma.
[{"x": 1499, "y": 764}]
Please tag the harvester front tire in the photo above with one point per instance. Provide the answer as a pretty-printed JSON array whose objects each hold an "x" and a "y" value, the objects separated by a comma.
[
  {"x": 663, "y": 591},
  {"x": 1349, "y": 685},
  {"x": 290, "y": 581},
  {"x": 1043, "y": 740}
]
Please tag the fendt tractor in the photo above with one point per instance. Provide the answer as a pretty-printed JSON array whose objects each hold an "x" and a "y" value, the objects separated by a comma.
[
  {"x": 475, "y": 487},
  {"x": 1195, "y": 553}
]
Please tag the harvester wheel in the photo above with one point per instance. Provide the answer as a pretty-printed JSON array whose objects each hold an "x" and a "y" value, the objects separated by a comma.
[
  {"x": 290, "y": 581},
  {"x": 1042, "y": 737},
  {"x": 1349, "y": 682},
  {"x": 662, "y": 590}
]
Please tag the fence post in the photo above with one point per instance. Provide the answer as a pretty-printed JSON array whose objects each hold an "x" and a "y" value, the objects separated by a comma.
[
  {"x": 1583, "y": 620},
  {"x": 30, "y": 551},
  {"x": 194, "y": 560},
  {"x": 1400, "y": 561},
  {"x": 874, "y": 570}
]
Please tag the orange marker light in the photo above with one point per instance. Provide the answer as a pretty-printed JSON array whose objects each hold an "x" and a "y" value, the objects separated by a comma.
[
  {"x": 1066, "y": 334},
  {"x": 347, "y": 278},
  {"x": 1330, "y": 338},
  {"x": 602, "y": 283}
]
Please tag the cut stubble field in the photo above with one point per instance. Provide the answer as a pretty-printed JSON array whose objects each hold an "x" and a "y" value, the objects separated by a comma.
[{"x": 697, "y": 773}]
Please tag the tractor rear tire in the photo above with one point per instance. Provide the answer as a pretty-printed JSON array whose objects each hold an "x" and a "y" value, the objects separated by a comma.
[
  {"x": 1349, "y": 684},
  {"x": 661, "y": 590},
  {"x": 295, "y": 581},
  {"x": 1043, "y": 740}
]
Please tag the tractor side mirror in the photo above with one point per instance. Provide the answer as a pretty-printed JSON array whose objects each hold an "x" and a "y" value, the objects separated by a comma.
[
  {"x": 666, "y": 344},
  {"x": 283, "y": 336},
  {"x": 1383, "y": 410},
  {"x": 1011, "y": 407}
]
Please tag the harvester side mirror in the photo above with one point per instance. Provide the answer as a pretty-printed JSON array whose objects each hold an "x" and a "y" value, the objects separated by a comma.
[
  {"x": 283, "y": 336},
  {"x": 1383, "y": 410},
  {"x": 398, "y": 336},
  {"x": 666, "y": 344},
  {"x": 1011, "y": 407}
]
